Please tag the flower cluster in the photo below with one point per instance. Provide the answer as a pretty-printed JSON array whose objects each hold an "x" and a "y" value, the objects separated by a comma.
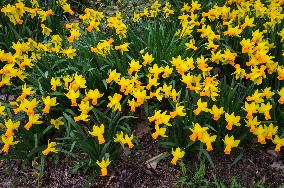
[{"x": 210, "y": 76}]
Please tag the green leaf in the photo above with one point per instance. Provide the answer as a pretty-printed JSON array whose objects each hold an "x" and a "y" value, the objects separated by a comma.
[
  {"x": 206, "y": 154},
  {"x": 237, "y": 159}
]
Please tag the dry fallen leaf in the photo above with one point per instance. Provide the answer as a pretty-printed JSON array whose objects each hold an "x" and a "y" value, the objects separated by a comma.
[
  {"x": 272, "y": 153},
  {"x": 153, "y": 162},
  {"x": 142, "y": 129},
  {"x": 277, "y": 165}
]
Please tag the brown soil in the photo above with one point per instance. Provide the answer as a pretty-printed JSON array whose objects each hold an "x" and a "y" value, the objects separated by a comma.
[
  {"x": 132, "y": 171},
  {"x": 255, "y": 165}
]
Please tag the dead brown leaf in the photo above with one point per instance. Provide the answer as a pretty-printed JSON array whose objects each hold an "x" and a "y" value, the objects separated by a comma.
[{"x": 141, "y": 129}]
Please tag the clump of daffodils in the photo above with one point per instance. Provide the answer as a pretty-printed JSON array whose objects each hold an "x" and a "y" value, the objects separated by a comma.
[{"x": 220, "y": 75}]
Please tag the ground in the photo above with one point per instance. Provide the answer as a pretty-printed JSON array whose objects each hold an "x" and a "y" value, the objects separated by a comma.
[{"x": 132, "y": 171}]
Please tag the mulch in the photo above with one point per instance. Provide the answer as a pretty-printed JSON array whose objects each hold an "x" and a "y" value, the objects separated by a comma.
[
  {"x": 131, "y": 171},
  {"x": 255, "y": 165}
]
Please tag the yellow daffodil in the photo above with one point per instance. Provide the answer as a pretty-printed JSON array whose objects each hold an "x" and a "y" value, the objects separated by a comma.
[
  {"x": 93, "y": 95},
  {"x": 201, "y": 106},
  {"x": 177, "y": 155},
  {"x": 33, "y": 120},
  {"x": 197, "y": 132},
  {"x": 148, "y": 58},
  {"x": 50, "y": 148},
  {"x": 159, "y": 131},
  {"x": 230, "y": 143},
  {"x": 114, "y": 102},
  {"x": 124, "y": 139},
  {"x": 103, "y": 165},
  {"x": 113, "y": 76},
  {"x": 232, "y": 120},
  {"x": 279, "y": 142},
  {"x": 251, "y": 108},
  {"x": 265, "y": 109},
  {"x": 73, "y": 95},
  {"x": 98, "y": 131},
  {"x": 179, "y": 111},
  {"x": 57, "y": 122},
  {"x": 281, "y": 94},
  {"x": 8, "y": 141},
  {"x": 207, "y": 139},
  {"x": 55, "y": 82},
  {"x": 10, "y": 127},
  {"x": 261, "y": 133},
  {"x": 26, "y": 91},
  {"x": 216, "y": 112},
  {"x": 271, "y": 130},
  {"x": 48, "y": 102},
  {"x": 122, "y": 47}
]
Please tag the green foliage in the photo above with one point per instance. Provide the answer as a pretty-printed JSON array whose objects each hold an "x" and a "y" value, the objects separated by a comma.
[
  {"x": 156, "y": 35},
  {"x": 199, "y": 178}
]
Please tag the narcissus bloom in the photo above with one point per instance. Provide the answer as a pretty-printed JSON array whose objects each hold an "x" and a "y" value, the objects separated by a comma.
[
  {"x": 250, "y": 108},
  {"x": 159, "y": 131},
  {"x": 264, "y": 109},
  {"x": 261, "y": 132},
  {"x": 268, "y": 93},
  {"x": 279, "y": 142},
  {"x": 30, "y": 106},
  {"x": 177, "y": 155},
  {"x": 114, "y": 102},
  {"x": 57, "y": 122},
  {"x": 84, "y": 108},
  {"x": 134, "y": 66},
  {"x": 256, "y": 97},
  {"x": 33, "y": 120},
  {"x": 233, "y": 31},
  {"x": 280, "y": 71},
  {"x": 45, "y": 30},
  {"x": 179, "y": 111},
  {"x": 124, "y": 139},
  {"x": 207, "y": 139},
  {"x": 128, "y": 140},
  {"x": 55, "y": 82},
  {"x": 201, "y": 106},
  {"x": 113, "y": 76},
  {"x": 281, "y": 94},
  {"x": 160, "y": 118},
  {"x": 232, "y": 120},
  {"x": 167, "y": 71},
  {"x": 98, "y": 131},
  {"x": 197, "y": 132},
  {"x": 148, "y": 58},
  {"x": 103, "y": 165},
  {"x": 2, "y": 110},
  {"x": 239, "y": 72},
  {"x": 8, "y": 141},
  {"x": 93, "y": 95},
  {"x": 26, "y": 91},
  {"x": 191, "y": 45},
  {"x": 73, "y": 95},
  {"x": 122, "y": 47},
  {"x": 216, "y": 112},
  {"x": 66, "y": 7},
  {"x": 10, "y": 127},
  {"x": 230, "y": 143},
  {"x": 253, "y": 124},
  {"x": 271, "y": 130},
  {"x": 132, "y": 104},
  {"x": 103, "y": 47},
  {"x": 78, "y": 82},
  {"x": 48, "y": 102},
  {"x": 50, "y": 148}
]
